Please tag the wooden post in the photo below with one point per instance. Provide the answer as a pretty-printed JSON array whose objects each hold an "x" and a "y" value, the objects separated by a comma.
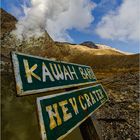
[{"x": 88, "y": 130}]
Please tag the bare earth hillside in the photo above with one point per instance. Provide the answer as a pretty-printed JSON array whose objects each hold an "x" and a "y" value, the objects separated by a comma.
[
  {"x": 7, "y": 22},
  {"x": 118, "y": 72}
]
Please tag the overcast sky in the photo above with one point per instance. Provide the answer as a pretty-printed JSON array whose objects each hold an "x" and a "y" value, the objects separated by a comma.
[{"x": 111, "y": 22}]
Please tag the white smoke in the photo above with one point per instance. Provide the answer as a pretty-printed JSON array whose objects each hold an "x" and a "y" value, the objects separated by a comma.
[{"x": 56, "y": 17}]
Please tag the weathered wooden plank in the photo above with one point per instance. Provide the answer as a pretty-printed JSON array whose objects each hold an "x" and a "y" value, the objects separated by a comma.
[
  {"x": 60, "y": 114},
  {"x": 36, "y": 74}
]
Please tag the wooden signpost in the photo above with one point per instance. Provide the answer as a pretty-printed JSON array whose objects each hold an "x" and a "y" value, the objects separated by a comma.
[
  {"x": 35, "y": 74},
  {"x": 61, "y": 113}
]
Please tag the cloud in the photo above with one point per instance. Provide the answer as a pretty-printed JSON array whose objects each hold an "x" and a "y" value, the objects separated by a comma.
[
  {"x": 56, "y": 17},
  {"x": 121, "y": 24}
]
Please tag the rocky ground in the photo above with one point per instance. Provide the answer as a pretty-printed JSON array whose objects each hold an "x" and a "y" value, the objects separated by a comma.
[{"x": 118, "y": 118}]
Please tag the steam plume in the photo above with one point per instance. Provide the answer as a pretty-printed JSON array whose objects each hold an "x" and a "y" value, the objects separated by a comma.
[{"x": 56, "y": 17}]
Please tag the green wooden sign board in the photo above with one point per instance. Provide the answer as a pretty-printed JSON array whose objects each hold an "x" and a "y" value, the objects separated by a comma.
[
  {"x": 35, "y": 74},
  {"x": 61, "y": 113}
]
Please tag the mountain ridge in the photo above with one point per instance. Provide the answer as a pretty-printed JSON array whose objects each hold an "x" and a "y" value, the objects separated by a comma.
[
  {"x": 45, "y": 46},
  {"x": 93, "y": 45}
]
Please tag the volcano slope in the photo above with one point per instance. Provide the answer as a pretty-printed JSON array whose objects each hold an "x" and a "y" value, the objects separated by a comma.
[{"x": 117, "y": 119}]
